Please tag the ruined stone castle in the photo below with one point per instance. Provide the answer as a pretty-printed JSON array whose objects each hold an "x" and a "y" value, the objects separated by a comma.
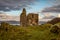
[{"x": 30, "y": 19}]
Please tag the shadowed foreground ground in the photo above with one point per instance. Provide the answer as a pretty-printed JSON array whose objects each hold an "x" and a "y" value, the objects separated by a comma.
[{"x": 41, "y": 32}]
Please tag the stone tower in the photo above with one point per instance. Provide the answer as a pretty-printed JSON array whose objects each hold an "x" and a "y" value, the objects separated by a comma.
[{"x": 23, "y": 18}]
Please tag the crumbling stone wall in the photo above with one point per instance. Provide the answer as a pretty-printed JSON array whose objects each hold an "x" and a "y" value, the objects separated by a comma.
[{"x": 32, "y": 19}]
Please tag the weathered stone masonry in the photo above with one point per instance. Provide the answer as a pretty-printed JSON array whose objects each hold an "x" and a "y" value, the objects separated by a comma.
[{"x": 30, "y": 19}]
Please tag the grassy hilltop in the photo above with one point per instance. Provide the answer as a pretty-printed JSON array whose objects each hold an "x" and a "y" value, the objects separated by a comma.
[{"x": 41, "y": 32}]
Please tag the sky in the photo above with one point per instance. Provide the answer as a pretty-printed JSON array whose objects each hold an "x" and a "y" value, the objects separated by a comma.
[
  {"x": 42, "y": 7},
  {"x": 15, "y": 7}
]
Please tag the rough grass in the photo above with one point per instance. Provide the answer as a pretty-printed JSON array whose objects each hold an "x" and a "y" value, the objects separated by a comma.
[{"x": 41, "y": 32}]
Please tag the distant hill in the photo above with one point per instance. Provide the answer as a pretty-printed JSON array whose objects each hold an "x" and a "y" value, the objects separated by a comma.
[
  {"x": 11, "y": 22},
  {"x": 54, "y": 21},
  {"x": 18, "y": 22}
]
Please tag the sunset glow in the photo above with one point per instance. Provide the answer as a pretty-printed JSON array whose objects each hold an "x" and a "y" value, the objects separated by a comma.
[{"x": 59, "y": 15}]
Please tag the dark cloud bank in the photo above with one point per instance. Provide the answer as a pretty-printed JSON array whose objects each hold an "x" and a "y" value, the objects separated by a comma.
[
  {"x": 8, "y": 5},
  {"x": 54, "y": 8}
]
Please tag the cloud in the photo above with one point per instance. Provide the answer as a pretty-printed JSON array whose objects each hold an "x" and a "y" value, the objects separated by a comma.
[
  {"x": 46, "y": 19},
  {"x": 54, "y": 8},
  {"x": 51, "y": 17},
  {"x": 48, "y": 16},
  {"x": 58, "y": 15},
  {"x": 54, "y": 2},
  {"x": 8, "y": 5},
  {"x": 7, "y": 17}
]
